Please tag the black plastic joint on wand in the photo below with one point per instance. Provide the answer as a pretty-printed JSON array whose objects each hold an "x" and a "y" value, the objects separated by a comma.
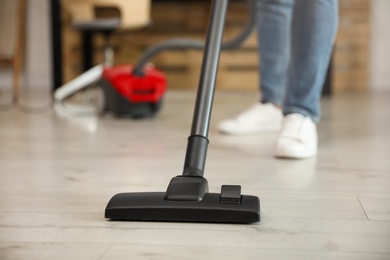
[
  {"x": 191, "y": 186},
  {"x": 196, "y": 154}
]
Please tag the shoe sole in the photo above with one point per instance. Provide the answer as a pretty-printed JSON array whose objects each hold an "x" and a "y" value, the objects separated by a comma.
[
  {"x": 287, "y": 155},
  {"x": 250, "y": 132}
]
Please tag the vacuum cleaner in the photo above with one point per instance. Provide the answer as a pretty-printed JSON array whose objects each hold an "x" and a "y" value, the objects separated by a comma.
[
  {"x": 187, "y": 198},
  {"x": 136, "y": 91},
  {"x": 122, "y": 92},
  {"x": 129, "y": 95}
]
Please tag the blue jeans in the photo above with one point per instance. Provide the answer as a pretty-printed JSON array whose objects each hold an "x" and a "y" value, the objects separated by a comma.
[{"x": 295, "y": 44}]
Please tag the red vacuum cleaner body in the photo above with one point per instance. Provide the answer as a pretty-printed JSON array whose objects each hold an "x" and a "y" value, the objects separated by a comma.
[{"x": 129, "y": 95}]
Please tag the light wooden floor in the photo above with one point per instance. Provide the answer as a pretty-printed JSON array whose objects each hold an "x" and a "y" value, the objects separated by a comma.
[{"x": 57, "y": 175}]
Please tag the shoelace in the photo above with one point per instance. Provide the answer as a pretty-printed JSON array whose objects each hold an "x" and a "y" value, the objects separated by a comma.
[{"x": 292, "y": 125}]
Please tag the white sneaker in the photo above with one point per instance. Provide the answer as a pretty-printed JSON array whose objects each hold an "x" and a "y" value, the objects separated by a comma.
[
  {"x": 298, "y": 138},
  {"x": 260, "y": 118}
]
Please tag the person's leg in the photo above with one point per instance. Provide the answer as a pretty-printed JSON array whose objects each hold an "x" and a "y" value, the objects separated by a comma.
[
  {"x": 273, "y": 30},
  {"x": 314, "y": 26}
]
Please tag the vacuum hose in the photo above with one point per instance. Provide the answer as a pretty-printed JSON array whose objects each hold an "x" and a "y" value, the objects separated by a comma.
[{"x": 183, "y": 44}]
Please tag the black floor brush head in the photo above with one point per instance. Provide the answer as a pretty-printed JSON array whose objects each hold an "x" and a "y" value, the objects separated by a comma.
[{"x": 152, "y": 206}]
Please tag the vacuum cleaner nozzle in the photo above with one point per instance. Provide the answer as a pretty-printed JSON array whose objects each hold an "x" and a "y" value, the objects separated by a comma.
[{"x": 227, "y": 207}]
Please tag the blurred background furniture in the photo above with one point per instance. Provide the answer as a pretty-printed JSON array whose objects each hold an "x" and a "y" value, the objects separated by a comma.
[
  {"x": 90, "y": 17},
  {"x": 12, "y": 34}
]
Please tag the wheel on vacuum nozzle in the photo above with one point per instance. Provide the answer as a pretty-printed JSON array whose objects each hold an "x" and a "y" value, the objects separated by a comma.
[{"x": 156, "y": 106}]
